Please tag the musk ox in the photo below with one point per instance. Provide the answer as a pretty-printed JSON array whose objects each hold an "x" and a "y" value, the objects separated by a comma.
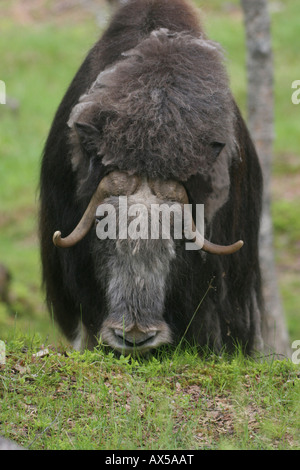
[{"x": 149, "y": 118}]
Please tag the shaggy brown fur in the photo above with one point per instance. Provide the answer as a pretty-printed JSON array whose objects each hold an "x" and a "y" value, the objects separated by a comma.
[
  {"x": 152, "y": 98},
  {"x": 161, "y": 108}
]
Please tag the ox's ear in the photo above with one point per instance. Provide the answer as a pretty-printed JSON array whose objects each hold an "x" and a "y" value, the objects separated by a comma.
[
  {"x": 216, "y": 148},
  {"x": 89, "y": 137}
]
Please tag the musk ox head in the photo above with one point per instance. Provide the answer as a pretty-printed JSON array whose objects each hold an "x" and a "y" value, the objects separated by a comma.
[
  {"x": 134, "y": 272},
  {"x": 164, "y": 110}
]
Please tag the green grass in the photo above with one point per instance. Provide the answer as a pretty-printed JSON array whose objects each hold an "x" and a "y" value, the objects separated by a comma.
[
  {"x": 177, "y": 401},
  {"x": 37, "y": 70}
]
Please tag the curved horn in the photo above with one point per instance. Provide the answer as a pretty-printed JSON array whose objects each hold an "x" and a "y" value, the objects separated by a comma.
[
  {"x": 212, "y": 248},
  {"x": 175, "y": 190},
  {"x": 85, "y": 223},
  {"x": 114, "y": 184}
]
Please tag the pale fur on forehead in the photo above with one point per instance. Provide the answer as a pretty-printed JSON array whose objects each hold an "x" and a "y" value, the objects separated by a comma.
[{"x": 160, "y": 106}]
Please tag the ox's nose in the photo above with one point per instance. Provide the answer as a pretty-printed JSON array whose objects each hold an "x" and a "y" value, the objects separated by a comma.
[{"x": 135, "y": 337}]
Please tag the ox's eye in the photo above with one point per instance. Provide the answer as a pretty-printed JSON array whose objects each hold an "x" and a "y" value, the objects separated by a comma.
[
  {"x": 217, "y": 148},
  {"x": 88, "y": 136}
]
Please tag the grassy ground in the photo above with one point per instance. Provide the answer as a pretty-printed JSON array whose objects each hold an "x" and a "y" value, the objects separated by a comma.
[
  {"x": 218, "y": 403},
  {"x": 59, "y": 400}
]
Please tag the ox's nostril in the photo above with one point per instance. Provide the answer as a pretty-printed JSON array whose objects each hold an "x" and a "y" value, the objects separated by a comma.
[
  {"x": 141, "y": 339},
  {"x": 134, "y": 337}
]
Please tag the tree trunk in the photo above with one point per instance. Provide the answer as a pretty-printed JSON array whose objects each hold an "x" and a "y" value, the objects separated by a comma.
[{"x": 260, "y": 121}]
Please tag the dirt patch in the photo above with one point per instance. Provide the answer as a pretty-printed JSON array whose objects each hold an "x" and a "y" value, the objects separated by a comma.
[
  {"x": 286, "y": 186},
  {"x": 220, "y": 417},
  {"x": 16, "y": 217}
]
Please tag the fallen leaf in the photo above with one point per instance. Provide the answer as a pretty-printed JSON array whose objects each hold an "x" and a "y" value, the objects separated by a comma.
[{"x": 41, "y": 353}]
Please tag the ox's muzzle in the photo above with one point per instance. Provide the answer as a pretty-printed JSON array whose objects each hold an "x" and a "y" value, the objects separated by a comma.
[
  {"x": 120, "y": 183},
  {"x": 135, "y": 337}
]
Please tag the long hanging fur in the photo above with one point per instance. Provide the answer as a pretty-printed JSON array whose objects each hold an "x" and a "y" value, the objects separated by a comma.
[{"x": 152, "y": 97}]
